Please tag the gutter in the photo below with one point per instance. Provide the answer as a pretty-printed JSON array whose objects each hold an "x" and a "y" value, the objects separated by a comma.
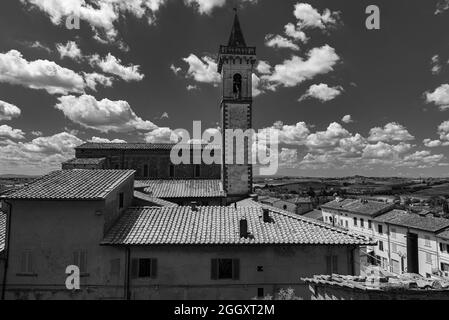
[{"x": 7, "y": 240}]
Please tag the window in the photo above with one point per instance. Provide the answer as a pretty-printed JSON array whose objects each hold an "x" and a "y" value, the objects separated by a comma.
[
  {"x": 26, "y": 262},
  {"x": 222, "y": 269},
  {"x": 172, "y": 171},
  {"x": 441, "y": 247},
  {"x": 259, "y": 268},
  {"x": 427, "y": 241},
  {"x": 380, "y": 229},
  {"x": 355, "y": 222},
  {"x": 197, "y": 171},
  {"x": 144, "y": 268},
  {"x": 80, "y": 260},
  {"x": 332, "y": 264},
  {"x": 260, "y": 293},
  {"x": 394, "y": 247},
  {"x": 145, "y": 171},
  {"x": 393, "y": 233},
  {"x": 370, "y": 224},
  {"x": 115, "y": 267},
  {"x": 362, "y": 223},
  {"x": 120, "y": 200},
  {"x": 237, "y": 85},
  {"x": 346, "y": 223},
  {"x": 428, "y": 258},
  {"x": 285, "y": 207},
  {"x": 381, "y": 245}
]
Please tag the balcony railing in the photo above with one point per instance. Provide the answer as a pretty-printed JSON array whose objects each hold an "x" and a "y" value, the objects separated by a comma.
[{"x": 238, "y": 50}]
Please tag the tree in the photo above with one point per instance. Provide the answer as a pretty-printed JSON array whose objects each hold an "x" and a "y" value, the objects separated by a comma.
[{"x": 311, "y": 193}]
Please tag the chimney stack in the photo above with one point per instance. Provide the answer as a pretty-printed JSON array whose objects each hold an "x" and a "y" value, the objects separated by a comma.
[
  {"x": 243, "y": 228},
  {"x": 266, "y": 215},
  {"x": 193, "y": 206}
]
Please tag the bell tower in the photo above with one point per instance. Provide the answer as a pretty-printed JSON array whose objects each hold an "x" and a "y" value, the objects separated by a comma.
[{"x": 236, "y": 62}]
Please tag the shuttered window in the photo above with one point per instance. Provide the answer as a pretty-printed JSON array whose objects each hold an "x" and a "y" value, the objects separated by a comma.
[
  {"x": 26, "y": 262},
  {"x": 80, "y": 260},
  {"x": 144, "y": 268},
  {"x": 222, "y": 269},
  {"x": 331, "y": 264}
]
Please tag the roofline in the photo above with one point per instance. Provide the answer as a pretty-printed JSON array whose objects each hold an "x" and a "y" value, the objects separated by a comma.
[
  {"x": 235, "y": 244},
  {"x": 417, "y": 228}
]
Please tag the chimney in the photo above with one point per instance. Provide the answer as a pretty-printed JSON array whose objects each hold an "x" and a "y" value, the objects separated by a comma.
[
  {"x": 243, "y": 228},
  {"x": 266, "y": 215},
  {"x": 193, "y": 206}
]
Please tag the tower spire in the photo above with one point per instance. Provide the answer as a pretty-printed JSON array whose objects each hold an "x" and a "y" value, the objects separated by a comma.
[{"x": 236, "y": 39}]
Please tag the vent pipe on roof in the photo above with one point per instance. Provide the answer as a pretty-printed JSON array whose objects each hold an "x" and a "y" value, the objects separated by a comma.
[
  {"x": 194, "y": 206},
  {"x": 266, "y": 216},
  {"x": 243, "y": 228}
]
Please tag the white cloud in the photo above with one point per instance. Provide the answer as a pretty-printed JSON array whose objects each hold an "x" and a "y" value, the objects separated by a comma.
[
  {"x": 38, "y": 45},
  {"x": 263, "y": 67},
  {"x": 436, "y": 65},
  {"x": 442, "y": 6},
  {"x": 309, "y": 17},
  {"x": 104, "y": 115},
  {"x": 322, "y": 92},
  {"x": 256, "y": 85},
  {"x": 164, "y": 115},
  {"x": 440, "y": 97},
  {"x": 277, "y": 41},
  {"x": 443, "y": 131},
  {"x": 296, "y": 70},
  {"x": 113, "y": 65},
  {"x": 69, "y": 50},
  {"x": 38, "y": 74},
  {"x": 432, "y": 143},
  {"x": 161, "y": 135},
  {"x": 207, "y": 6},
  {"x": 390, "y": 132},
  {"x": 292, "y": 31},
  {"x": 176, "y": 70},
  {"x": 8, "y": 111},
  {"x": 7, "y": 131},
  {"x": 202, "y": 70},
  {"x": 94, "y": 78},
  {"x": 105, "y": 140},
  {"x": 191, "y": 87},
  {"x": 37, "y": 133},
  {"x": 382, "y": 150},
  {"x": 347, "y": 119},
  {"x": 39, "y": 153}
]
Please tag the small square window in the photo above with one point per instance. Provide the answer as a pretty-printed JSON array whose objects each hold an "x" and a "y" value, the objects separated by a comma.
[
  {"x": 260, "y": 293},
  {"x": 259, "y": 268}
]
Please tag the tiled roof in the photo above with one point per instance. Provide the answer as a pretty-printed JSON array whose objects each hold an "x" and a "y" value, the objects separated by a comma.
[
  {"x": 357, "y": 206},
  {"x": 314, "y": 214},
  {"x": 444, "y": 234},
  {"x": 72, "y": 184},
  {"x": 184, "y": 188},
  {"x": 2, "y": 231},
  {"x": 152, "y": 200},
  {"x": 134, "y": 146},
  {"x": 415, "y": 221},
  {"x": 85, "y": 161},
  {"x": 219, "y": 226}
]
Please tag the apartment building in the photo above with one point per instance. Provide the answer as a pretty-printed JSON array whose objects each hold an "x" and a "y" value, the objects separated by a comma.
[{"x": 406, "y": 242}]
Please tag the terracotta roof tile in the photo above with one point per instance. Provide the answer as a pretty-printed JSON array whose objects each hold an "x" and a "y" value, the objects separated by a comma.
[
  {"x": 412, "y": 220},
  {"x": 85, "y": 161},
  {"x": 72, "y": 184},
  {"x": 2, "y": 231},
  {"x": 183, "y": 188},
  {"x": 135, "y": 146},
  {"x": 220, "y": 225},
  {"x": 357, "y": 206},
  {"x": 155, "y": 201}
]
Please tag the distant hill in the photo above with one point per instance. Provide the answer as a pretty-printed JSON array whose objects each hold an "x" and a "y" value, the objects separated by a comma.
[{"x": 19, "y": 176}]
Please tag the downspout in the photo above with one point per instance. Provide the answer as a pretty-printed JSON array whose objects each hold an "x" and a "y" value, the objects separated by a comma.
[
  {"x": 8, "y": 237},
  {"x": 389, "y": 247},
  {"x": 128, "y": 273}
]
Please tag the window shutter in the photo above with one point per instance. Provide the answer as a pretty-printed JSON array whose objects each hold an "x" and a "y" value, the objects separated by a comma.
[
  {"x": 214, "y": 269},
  {"x": 134, "y": 268},
  {"x": 335, "y": 264},
  {"x": 441, "y": 246},
  {"x": 153, "y": 268},
  {"x": 23, "y": 262},
  {"x": 328, "y": 265},
  {"x": 83, "y": 261},
  {"x": 30, "y": 262},
  {"x": 235, "y": 269}
]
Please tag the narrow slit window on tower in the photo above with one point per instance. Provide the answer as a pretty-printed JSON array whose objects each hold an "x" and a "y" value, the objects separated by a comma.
[{"x": 237, "y": 85}]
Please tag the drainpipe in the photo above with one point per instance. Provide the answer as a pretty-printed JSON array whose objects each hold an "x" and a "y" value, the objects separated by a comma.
[
  {"x": 8, "y": 237},
  {"x": 389, "y": 247},
  {"x": 128, "y": 273}
]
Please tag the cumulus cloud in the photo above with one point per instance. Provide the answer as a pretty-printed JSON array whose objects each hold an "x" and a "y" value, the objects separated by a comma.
[
  {"x": 8, "y": 111},
  {"x": 439, "y": 97},
  {"x": 38, "y": 45},
  {"x": 296, "y": 70},
  {"x": 192, "y": 87},
  {"x": 113, "y": 65},
  {"x": 39, "y": 153},
  {"x": 390, "y": 132},
  {"x": 277, "y": 41},
  {"x": 347, "y": 119},
  {"x": 309, "y": 17},
  {"x": 69, "y": 50},
  {"x": 322, "y": 92},
  {"x": 106, "y": 140},
  {"x": 161, "y": 135},
  {"x": 101, "y": 15},
  {"x": 176, "y": 70},
  {"x": 93, "y": 79},
  {"x": 263, "y": 67},
  {"x": 202, "y": 70},
  {"x": 104, "y": 115},
  {"x": 436, "y": 65},
  {"x": 207, "y": 6},
  {"x": 38, "y": 74},
  {"x": 432, "y": 143},
  {"x": 442, "y": 6},
  {"x": 7, "y": 131},
  {"x": 293, "y": 32}
]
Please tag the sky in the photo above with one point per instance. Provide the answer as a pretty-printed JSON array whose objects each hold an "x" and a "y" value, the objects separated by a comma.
[{"x": 344, "y": 100}]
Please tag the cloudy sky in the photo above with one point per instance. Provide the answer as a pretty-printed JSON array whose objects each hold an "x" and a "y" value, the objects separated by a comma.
[{"x": 345, "y": 100}]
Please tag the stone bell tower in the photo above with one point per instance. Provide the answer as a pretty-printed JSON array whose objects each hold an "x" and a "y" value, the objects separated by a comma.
[{"x": 235, "y": 64}]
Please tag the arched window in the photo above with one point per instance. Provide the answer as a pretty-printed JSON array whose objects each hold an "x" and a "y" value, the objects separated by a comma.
[{"x": 237, "y": 85}]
